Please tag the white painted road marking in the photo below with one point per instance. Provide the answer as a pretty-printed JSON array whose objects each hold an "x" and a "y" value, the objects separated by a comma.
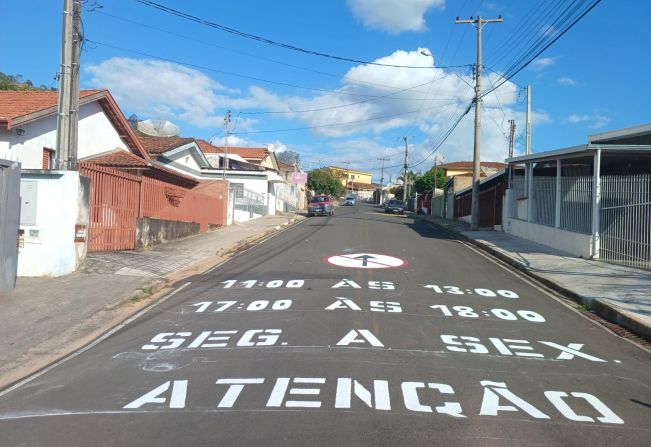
[{"x": 365, "y": 261}]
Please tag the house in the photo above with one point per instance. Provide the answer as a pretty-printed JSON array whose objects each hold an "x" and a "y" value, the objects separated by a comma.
[
  {"x": 592, "y": 200},
  {"x": 465, "y": 168},
  {"x": 350, "y": 175},
  {"x": 110, "y": 202}
]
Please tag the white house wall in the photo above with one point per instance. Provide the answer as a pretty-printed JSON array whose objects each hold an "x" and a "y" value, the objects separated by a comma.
[
  {"x": 49, "y": 247},
  {"x": 96, "y": 135}
]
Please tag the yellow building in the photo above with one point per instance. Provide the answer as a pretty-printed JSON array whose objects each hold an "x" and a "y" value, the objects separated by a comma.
[{"x": 346, "y": 176}]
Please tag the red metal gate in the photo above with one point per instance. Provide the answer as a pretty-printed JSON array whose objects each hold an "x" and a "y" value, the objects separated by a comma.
[{"x": 114, "y": 203}]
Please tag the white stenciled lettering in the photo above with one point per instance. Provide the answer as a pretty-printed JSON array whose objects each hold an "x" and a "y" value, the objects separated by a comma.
[
  {"x": 343, "y": 303},
  {"x": 235, "y": 388},
  {"x": 490, "y": 405},
  {"x": 385, "y": 306},
  {"x": 381, "y": 285},
  {"x": 506, "y": 345},
  {"x": 412, "y": 401},
  {"x": 346, "y": 283},
  {"x": 471, "y": 343},
  {"x": 281, "y": 387},
  {"x": 264, "y": 337},
  {"x": 361, "y": 336},
  {"x": 607, "y": 415},
  {"x": 347, "y": 387},
  {"x": 157, "y": 395},
  {"x": 164, "y": 337},
  {"x": 570, "y": 351},
  {"x": 221, "y": 337}
]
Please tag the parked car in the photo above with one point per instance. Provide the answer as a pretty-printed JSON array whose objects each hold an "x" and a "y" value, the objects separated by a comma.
[
  {"x": 321, "y": 205},
  {"x": 394, "y": 206},
  {"x": 350, "y": 201}
]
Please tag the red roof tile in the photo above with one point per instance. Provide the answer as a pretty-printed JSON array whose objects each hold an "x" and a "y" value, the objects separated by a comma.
[
  {"x": 116, "y": 158},
  {"x": 252, "y": 153},
  {"x": 159, "y": 145},
  {"x": 17, "y": 104},
  {"x": 468, "y": 165}
]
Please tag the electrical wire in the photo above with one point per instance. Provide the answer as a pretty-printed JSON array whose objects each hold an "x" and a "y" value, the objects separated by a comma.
[
  {"x": 265, "y": 40},
  {"x": 252, "y": 55}
]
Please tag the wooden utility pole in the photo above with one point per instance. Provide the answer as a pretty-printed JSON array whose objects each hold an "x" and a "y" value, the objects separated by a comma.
[
  {"x": 476, "y": 165},
  {"x": 404, "y": 172},
  {"x": 68, "y": 107}
]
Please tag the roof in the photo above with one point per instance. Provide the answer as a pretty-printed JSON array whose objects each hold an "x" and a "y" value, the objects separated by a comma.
[
  {"x": 285, "y": 166},
  {"x": 117, "y": 158},
  {"x": 257, "y": 153},
  {"x": 160, "y": 145},
  {"x": 21, "y": 107},
  {"x": 582, "y": 150},
  {"x": 631, "y": 135},
  {"x": 19, "y": 104},
  {"x": 469, "y": 165},
  {"x": 349, "y": 170}
]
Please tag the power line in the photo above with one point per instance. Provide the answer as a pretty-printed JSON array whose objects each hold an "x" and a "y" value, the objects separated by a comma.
[
  {"x": 265, "y": 40},
  {"x": 252, "y": 55},
  {"x": 239, "y": 75}
]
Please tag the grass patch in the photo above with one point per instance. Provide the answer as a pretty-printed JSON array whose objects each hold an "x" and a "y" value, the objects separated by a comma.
[{"x": 586, "y": 306}]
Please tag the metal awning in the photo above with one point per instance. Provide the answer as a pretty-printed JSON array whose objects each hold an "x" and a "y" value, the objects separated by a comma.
[{"x": 583, "y": 150}]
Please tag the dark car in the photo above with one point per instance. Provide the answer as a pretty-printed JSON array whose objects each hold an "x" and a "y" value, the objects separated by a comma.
[
  {"x": 394, "y": 206},
  {"x": 321, "y": 205}
]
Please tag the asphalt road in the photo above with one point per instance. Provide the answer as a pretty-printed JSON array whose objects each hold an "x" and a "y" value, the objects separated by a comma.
[{"x": 421, "y": 341}]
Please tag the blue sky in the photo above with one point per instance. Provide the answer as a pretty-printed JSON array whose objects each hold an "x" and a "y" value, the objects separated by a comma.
[{"x": 594, "y": 78}]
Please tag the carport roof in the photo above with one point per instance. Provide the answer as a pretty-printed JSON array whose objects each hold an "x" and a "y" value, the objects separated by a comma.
[{"x": 582, "y": 150}]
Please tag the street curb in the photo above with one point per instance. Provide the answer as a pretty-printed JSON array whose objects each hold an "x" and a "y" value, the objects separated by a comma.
[
  {"x": 161, "y": 288},
  {"x": 604, "y": 310}
]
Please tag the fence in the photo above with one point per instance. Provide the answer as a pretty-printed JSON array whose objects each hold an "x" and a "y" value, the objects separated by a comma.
[
  {"x": 287, "y": 197},
  {"x": 161, "y": 200},
  {"x": 576, "y": 201},
  {"x": 114, "y": 201},
  {"x": 490, "y": 205},
  {"x": 247, "y": 204},
  {"x": 118, "y": 199},
  {"x": 625, "y": 219}
]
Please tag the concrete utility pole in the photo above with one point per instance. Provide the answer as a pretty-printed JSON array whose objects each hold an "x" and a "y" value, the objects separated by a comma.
[
  {"x": 68, "y": 108},
  {"x": 382, "y": 159},
  {"x": 227, "y": 126},
  {"x": 404, "y": 172},
  {"x": 511, "y": 137},
  {"x": 528, "y": 137},
  {"x": 476, "y": 165}
]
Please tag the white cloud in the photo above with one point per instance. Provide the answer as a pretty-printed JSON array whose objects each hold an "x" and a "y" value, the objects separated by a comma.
[
  {"x": 543, "y": 62},
  {"x": 413, "y": 101},
  {"x": 596, "y": 121},
  {"x": 394, "y": 16},
  {"x": 164, "y": 90},
  {"x": 566, "y": 81}
]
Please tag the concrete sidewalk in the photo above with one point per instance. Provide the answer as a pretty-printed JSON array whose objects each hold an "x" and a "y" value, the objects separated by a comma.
[
  {"x": 45, "y": 319},
  {"x": 618, "y": 294}
]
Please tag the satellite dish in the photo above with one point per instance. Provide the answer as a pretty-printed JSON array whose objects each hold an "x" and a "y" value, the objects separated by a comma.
[{"x": 158, "y": 128}]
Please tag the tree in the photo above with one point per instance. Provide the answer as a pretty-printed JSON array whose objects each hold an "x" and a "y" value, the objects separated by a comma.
[
  {"x": 429, "y": 180},
  {"x": 289, "y": 157},
  {"x": 322, "y": 181}
]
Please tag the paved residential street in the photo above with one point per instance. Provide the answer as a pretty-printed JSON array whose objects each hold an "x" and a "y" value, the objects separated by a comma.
[{"x": 361, "y": 329}]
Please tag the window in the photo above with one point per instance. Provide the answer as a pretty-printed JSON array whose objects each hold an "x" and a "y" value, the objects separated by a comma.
[{"x": 48, "y": 158}]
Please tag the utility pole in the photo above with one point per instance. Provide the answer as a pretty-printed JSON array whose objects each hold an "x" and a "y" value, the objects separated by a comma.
[
  {"x": 382, "y": 159},
  {"x": 511, "y": 137},
  {"x": 404, "y": 172},
  {"x": 68, "y": 107},
  {"x": 476, "y": 165},
  {"x": 528, "y": 136},
  {"x": 227, "y": 126}
]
